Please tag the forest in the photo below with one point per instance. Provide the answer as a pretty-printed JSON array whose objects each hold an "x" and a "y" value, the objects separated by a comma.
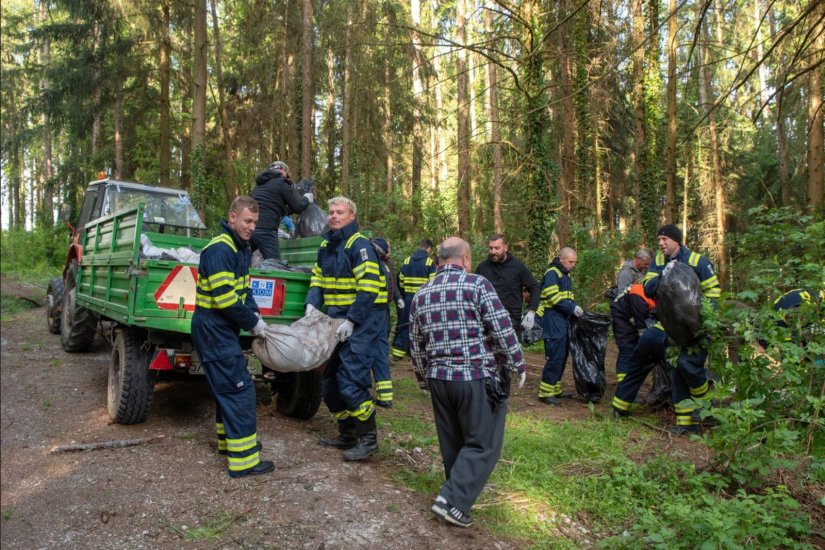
[{"x": 556, "y": 123}]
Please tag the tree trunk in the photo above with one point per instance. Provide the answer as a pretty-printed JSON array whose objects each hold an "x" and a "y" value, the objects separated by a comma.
[
  {"x": 164, "y": 70},
  {"x": 306, "y": 93},
  {"x": 117, "y": 112},
  {"x": 462, "y": 124},
  {"x": 199, "y": 81},
  {"x": 47, "y": 214},
  {"x": 670, "y": 138},
  {"x": 387, "y": 123},
  {"x": 568, "y": 131},
  {"x": 330, "y": 121},
  {"x": 636, "y": 40},
  {"x": 495, "y": 133},
  {"x": 816, "y": 157},
  {"x": 717, "y": 181},
  {"x": 231, "y": 188},
  {"x": 346, "y": 127},
  {"x": 440, "y": 144},
  {"x": 418, "y": 98}
]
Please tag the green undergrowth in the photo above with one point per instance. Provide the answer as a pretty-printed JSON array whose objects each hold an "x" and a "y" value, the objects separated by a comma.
[
  {"x": 34, "y": 256},
  {"x": 598, "y": 482}
]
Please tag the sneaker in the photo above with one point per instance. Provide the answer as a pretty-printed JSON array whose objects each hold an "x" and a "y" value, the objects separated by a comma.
[
  {"x": 551, "y": 400},
  {"x": 451, "y": 514},
  {"x": 263, "y": 467}
]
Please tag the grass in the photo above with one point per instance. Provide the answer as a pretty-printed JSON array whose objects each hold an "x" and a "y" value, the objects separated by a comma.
[
  {"x": 212, "y": 529},
  {"x": 571, "y": 484},
  {"x": 10, "y": 307}
]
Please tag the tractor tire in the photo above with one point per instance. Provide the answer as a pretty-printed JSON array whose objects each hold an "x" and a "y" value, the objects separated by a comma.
[
  {"x": 54, "y": 304},
  {"x": 298, "y": 393},
  {"x": 131, "y": 383},
  {"x": 78, "y": 325}
]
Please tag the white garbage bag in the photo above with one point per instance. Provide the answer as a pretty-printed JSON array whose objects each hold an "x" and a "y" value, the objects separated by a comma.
[{"x": 302, "y": 346}]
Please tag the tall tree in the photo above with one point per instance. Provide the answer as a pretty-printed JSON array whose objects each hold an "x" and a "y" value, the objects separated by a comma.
[
  {"x": 231, "y": 181},
  {"x": 46, "y": 212},
  {"x": 199, "y": 82},
  {"x": 306, "y": 92},
  {"x": 164, "y": 70},
  {"x": 670, "y": 134},
  {"x": 495, "y": 129},
  {"x": 815, "y": 154},
  {"x": 462, "y": 123}
]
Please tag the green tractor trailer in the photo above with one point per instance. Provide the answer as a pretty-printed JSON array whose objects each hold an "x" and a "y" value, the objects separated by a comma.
[{"x": 143, "y": 303}]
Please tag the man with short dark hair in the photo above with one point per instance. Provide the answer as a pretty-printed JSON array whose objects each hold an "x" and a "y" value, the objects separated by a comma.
[
  {"x": 459, "y": 331},
  {"x": 276, "y": 197},
  {"x": 416, "y": 269},
  {"x": 224, "y": 306},
  {"x": 510, "y": 277}
]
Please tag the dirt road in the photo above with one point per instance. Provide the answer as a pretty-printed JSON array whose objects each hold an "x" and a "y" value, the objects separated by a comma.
[{"x": 174, "y": 491}]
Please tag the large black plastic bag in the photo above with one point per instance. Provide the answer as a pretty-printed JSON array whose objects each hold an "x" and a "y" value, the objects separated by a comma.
[
  {"x": 588, "y": 344},
  {"x": 679, "y": 304},
  {"x": 312, "y": 221}
]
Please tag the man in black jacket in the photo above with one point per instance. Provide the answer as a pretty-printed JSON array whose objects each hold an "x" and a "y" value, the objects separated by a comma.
[
  {"x": 510, "y": 277},
  {"x": 276, "y": 198}
]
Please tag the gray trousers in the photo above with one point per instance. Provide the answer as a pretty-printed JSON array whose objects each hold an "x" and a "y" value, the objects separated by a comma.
[{"x": 470, "y": 434}]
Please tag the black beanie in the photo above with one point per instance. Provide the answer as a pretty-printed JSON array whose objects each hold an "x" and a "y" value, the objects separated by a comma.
[{"x": 670, "y": 231}]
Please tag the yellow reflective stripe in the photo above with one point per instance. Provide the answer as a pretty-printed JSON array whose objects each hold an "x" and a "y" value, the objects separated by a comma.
[
  {"x": 547, "y": 390},
  {"x": 352, "y": 239},
  {"x": 805, "y": 295},
  {"x": 649, "y": 275},
  {"x": 225, "y": 300},
  {"x": 693, "y": 259},
  {"x": 684, "y": 420},
  {"x": 339, "y": 299},
  {"x": 660, "y": 258},
  {"x": 398, "y": 352},
  {"x": 416, "y": 280},
  {"x": 540, "y": 310},
  {"x": 364, "y": 410},
  {"x": 222, "y": 238},
  {"x": 237, "y": 464},
  {"x": 552, "y": 289},
  {"x": 220, "y": 429},
  {"x": 709, "y": 282},
  {"x": 621, "y": 405},
  {"x": 341, "y": 415},
  {"x": 620, "y": 376},
  {"x": 700, "y": 391},
  {"x": 684, "y": 409},
  {"x": 242, "y": 444},
  {"x": 383, "y": 384}
]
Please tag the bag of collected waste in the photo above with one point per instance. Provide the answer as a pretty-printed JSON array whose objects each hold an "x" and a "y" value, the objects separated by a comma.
[
  {"x": 588, "y": 344},
  {"x": 529, "y": 337},
  {"x": 312, "y": 221},
  {"x": 679, "y": 304},
  {"x": 659, "y": 396},
  {"x": 302, "y": 346}
]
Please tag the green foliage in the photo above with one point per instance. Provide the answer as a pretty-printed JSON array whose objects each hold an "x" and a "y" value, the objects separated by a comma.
[{"x": 38, "y": 254}]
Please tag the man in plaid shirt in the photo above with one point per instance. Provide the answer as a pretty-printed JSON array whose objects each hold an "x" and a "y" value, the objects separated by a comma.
[{"x": 461, "y": 341}]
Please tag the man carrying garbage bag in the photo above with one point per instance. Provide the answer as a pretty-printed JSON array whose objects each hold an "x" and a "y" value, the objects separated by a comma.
[
  {"x": 688, "y": 378},
  {"x": 347, "y": 280}
]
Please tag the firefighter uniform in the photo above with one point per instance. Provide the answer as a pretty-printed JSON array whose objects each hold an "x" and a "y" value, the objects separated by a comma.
[
  {"x": 223, "y": 306},
  {"x": 557, "y": 305},
  {"x": 689, "y": 378},
  {"x": 346, "y": 279},
  {"x": 644, "y": 356},
  {"x": 629, "y": 312},
  {"x": 381, "y": 367},
  {"x": 416, "y": 270}
]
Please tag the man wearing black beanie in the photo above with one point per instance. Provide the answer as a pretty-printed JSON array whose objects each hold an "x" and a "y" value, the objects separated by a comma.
[{"x": 689, "y": 378}]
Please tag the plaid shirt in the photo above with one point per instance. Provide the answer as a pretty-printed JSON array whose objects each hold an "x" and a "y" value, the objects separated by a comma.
[{"x": 459, "y": 330}]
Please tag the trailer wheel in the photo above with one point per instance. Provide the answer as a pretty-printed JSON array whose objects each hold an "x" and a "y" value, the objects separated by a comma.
[
  {"x": 54, "y": 304},
  {"x": 131, "y": 383},
  {"x": 299, "y": 393},
  {"x": 78, "y": 325}
]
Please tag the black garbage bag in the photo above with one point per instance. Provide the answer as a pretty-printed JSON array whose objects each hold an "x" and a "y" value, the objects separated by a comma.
[
  {"x": 659, "y": 396},
  {"x": 588, "y": 344},
  {"x": 313, "y": 220},
  {"x": 529, "y": 337},
  {"x": 679, "y": 304}
]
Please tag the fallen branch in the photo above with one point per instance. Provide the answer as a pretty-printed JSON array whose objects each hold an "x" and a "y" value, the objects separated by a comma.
[
  {"x": 72, "y": 447},
  {"x": 27, "y": 299}
]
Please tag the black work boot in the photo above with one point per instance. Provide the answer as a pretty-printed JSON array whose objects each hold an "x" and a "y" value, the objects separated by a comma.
[
  {"x": 346, "y": 439},
  {"x": 367, "y": 440}
]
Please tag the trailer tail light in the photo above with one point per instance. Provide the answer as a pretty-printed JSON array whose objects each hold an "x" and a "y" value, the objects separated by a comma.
[
  {"x": 183, "y": 361},
  {"x": 161, "y": 361},
  {"x": 269, "y": 293}
]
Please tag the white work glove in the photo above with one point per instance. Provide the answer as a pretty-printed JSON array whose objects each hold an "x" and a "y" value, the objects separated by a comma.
[
  {"x": 308, "y": 308},
  {"x": 668, "y": 267},
  {"x": 578, "y": 312},
  {"x": 400, "y": 303},
  {"x": 310, "y": 197},
  {"x": 529, "y": 320},
  {"x": 259, "y": 329},
  {"x": 522, "y": 377},
  {"x": 344, "y": 331}
]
